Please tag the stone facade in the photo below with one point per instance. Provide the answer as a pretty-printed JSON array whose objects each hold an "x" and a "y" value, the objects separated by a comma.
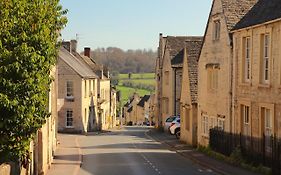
[
  {"x": 130, "y": 109},
  {"x": 77, "y": 95},
  {"x": 169, "y": 76},
  {"x": 189, "y": 88},
  {"x": 215, "y": 67},
  {"x": 257, "y": 96}
]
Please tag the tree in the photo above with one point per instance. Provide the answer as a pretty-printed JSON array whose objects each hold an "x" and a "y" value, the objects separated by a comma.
[{"x": 28, "y": 50}]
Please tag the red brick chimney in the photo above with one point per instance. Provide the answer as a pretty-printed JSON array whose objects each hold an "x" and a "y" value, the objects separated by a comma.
[{"x": 87, "y": 51}]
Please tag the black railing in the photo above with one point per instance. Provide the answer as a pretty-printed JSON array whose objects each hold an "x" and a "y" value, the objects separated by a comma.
[{"x": 265, "y": 150}]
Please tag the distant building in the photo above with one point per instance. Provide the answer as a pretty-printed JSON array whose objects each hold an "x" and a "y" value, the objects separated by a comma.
[
  {"x": 143, "y": 110},
  {"x": 130, "y": 109}
]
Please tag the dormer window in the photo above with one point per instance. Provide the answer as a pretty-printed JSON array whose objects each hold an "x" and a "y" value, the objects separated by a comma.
[{"x": 217, "y": 28}]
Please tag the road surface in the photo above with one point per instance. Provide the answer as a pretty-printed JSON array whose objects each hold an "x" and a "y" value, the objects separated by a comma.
[{"x": 131, "y": 152}]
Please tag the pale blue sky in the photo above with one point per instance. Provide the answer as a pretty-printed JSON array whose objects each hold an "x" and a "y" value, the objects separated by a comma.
[{"x": 132, "y": 24}]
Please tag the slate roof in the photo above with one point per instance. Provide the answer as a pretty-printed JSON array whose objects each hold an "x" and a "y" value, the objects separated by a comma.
[
  {"x": 92, "y": 64},
  {"x": 143, "y": 100},
  {"x": 193, "y": 44},
  {"x": 77, "y": 65},
  {"x": 175, "y": 45},
  {"x": 235, "y": 10},
  {"x": 263, "y": 11}
]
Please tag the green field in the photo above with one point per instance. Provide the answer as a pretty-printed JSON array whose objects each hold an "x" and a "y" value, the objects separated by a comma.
[
  {"x": 126, "y": 92},
  {"x": 137, "y": 81},
  {"x": 137, "y": 76}
]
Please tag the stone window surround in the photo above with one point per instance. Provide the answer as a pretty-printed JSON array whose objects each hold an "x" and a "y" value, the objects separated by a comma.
[
  {"x": 216, "y": 27},
  {"x": 269, "y": 106},
  {"x": 262, "y": 82},
  {"x": 241, "y": 122},
  {"x": 66, "y": 118}
]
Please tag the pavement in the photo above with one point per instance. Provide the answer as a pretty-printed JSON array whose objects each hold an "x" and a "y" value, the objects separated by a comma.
[
  {"x": 196, "y": 156},
  {"x": 68, "y": 156}
]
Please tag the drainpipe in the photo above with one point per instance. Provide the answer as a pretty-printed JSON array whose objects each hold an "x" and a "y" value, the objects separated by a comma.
[{"x": 175, "y": 92}]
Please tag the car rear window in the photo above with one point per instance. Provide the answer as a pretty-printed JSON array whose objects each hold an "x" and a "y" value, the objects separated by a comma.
[{"x": 170, "y": 119}]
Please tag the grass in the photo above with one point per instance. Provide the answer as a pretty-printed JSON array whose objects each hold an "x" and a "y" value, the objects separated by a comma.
[
  {"x": 137, "y": 76},
  {"x": 126, "y": 92},
  {"x": 140, "y": 81}
]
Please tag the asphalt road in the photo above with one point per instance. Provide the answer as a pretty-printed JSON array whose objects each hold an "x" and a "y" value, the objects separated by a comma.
[{"x": 130, "y": 152}]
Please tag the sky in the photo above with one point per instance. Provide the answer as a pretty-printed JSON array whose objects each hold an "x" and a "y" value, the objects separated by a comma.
[{"x": 132, "y": 24}]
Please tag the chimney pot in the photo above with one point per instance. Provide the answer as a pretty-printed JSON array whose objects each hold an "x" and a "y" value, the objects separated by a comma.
[{"x": 87, "y": 52}]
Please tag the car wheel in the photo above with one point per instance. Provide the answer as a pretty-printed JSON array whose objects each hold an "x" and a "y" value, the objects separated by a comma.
[{"x": 178, "y": 133}]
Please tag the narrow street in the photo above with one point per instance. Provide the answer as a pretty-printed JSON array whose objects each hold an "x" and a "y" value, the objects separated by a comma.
[{"x": 130, "y": 152}]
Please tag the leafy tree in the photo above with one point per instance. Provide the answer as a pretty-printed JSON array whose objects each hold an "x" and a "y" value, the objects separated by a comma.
[{"x": 29, "y": 31}]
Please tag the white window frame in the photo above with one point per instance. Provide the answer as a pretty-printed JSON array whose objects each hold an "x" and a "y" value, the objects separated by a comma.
[
  {"x": 69, "y": 88},
  {"x": 266, "y": 59},
  {"x": 69, "y": 115},
  {"x": 247, "y": 59},
  {"x": 221, "y": 123},
  {"x": 246, "y": 114},
  {"x": 205, "y": 125}
]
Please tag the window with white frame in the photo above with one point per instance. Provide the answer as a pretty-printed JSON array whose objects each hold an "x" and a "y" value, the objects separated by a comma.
[
  {"x": 246, "y": 58},
  {"x": 90, "y": 87},
  {"x": 212, "y": 122},
  {"x": 69, "y": 88},
  {"x": 221, "y": 123},
  {"x": 205, "y": 125},
  {"x": 85, "y": 87},
  {"x": 69, "y": 118},
  {"x": 265, "y": 39},
  {"x": 267, "y": 127},
  {"x": 245, "y": 114},
  {"x": 217, "y": 28}
]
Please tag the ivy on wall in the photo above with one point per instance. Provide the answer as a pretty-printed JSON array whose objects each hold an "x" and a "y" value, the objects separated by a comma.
[{"x": 29, "y": 31}]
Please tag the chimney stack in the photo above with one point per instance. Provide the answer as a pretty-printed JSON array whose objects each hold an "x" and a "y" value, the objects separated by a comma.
[
  {"x": 87, "y": 52},
  {"x": 73, "y": 44}
]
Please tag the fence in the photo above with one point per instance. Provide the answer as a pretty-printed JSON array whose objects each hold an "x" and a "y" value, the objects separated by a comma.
[{"x": 265, "y": 150}]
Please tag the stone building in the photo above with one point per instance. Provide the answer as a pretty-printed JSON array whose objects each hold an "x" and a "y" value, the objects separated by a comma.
[
  {"x": 215, "y": 67},
  {"x": 77, "y": 94},
  {"x": 189, "y": 89},
  {"x": 103, "y": 89},
  {"x": 257, "y": 73},
  {"x": 143, "y": 110},
  {"x": 169, "y": 76},
  {"x": 130, "y": 109}
]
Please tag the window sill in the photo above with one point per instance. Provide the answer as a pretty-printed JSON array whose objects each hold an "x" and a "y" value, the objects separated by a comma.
[
  {"x": 245, "y": 84},
  {"x": 69, "y": 127},
  {"x": 264, "y": 85},
  {"x": 69, "y": 98}
]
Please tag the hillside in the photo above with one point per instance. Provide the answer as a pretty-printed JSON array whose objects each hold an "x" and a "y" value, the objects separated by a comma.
[{"x": 130, "y": 61}]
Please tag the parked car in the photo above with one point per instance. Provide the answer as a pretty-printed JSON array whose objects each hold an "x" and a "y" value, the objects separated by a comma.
[
  {"x": 168, "y": 122},
  {"x": 175, "y": 127}
]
